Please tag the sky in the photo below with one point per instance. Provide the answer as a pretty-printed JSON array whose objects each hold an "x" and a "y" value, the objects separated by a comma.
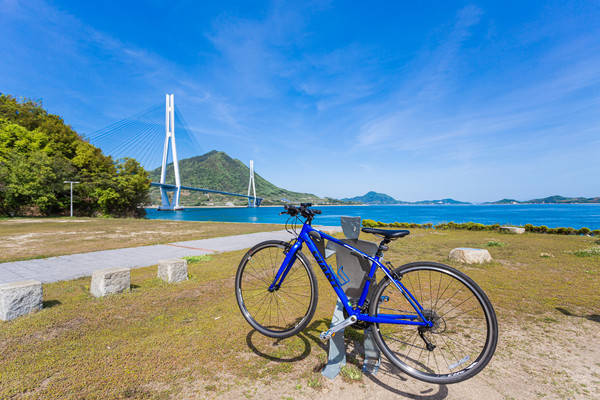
[{"x": 475, "y": 101}]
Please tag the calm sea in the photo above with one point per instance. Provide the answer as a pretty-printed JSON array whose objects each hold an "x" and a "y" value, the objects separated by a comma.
[{"x": 551, "y": 215}]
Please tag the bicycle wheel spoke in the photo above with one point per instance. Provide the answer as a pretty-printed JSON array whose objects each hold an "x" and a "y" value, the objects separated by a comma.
[{"x": 459, "y": 325}]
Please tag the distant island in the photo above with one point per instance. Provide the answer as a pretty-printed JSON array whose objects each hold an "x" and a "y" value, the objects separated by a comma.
[
  {"x": 550, "y": 200},
  {"x": 382, "y": 198}
]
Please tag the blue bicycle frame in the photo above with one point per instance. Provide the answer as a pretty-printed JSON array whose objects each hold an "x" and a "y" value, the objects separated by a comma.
[{"x": 305, "y": 237}]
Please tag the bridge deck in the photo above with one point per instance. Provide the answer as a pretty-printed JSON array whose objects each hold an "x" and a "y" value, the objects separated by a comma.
[{"x": 174, "y": 187}]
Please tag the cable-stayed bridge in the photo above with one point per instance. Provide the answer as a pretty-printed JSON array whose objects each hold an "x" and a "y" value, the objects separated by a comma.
[{"x": 140, "y": 136}]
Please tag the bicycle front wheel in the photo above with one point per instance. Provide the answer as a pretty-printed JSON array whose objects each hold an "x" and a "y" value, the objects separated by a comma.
[
  {"x": 464, "y": 334},
  {"x": 285, "y": 311}
]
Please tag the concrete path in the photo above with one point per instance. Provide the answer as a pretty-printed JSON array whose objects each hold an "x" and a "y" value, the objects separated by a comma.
[{"x": 77, "y": 265}]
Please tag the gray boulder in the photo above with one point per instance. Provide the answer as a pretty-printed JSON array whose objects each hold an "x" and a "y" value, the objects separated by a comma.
[
  {"x": 468, "y": 255},
  {"x": 19, "y": 298},
  {"x": 110, "y": 280},
  {"x": 174, "y": 270}
]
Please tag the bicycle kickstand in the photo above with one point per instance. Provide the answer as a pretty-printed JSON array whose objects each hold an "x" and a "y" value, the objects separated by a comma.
[{"x": 328, "y": 334}]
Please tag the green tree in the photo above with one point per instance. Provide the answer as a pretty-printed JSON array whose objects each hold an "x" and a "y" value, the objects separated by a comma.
[{"x": 38, "y": 152}]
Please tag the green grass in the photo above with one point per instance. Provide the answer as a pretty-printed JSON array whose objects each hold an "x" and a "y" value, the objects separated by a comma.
[
  {"x": 495, "y": 243},
  {"x": 592, "y": 251},
  {"x": 193, "y": 259},
  {"x": 158, "y": 339}
]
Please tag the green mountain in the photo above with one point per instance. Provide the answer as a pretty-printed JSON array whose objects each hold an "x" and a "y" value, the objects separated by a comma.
[
  {"x": 382, "y": 198},
  {"x": 550, "y": 200},
  {"x": 372, "y": 198},
  {"x": 216, "y": 170},
  {"x": 441, "y": 201}
]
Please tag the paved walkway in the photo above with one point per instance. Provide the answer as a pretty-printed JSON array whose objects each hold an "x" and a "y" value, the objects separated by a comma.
[{"x": 77, "y": 265}]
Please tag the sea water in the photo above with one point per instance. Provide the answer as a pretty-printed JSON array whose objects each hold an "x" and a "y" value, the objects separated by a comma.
[{"x": 551, "y": 215}]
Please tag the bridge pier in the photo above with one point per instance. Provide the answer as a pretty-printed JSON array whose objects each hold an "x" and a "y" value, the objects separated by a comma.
[{"x": 170, "y": 204}]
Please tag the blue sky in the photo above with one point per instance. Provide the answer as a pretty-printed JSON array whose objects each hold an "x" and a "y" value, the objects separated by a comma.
[{"x": 471, "y": 100}]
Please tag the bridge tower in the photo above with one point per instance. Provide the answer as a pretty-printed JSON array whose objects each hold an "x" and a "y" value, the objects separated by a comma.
[
  {"x": 252, "y": 199},
  {"x": 172, "y": 204}
]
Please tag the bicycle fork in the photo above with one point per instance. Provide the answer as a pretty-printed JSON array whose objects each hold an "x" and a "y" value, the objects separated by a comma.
[{"x": 285, "y": 267}]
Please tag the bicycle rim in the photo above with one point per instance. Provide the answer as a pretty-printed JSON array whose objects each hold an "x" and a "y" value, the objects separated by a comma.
[
  {"x": 464, "y": 335},
  {"x": 283, "y": 312}
]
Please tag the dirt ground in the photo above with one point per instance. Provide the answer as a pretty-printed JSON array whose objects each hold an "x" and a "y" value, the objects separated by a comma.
[{"x": 549, "y": 358}]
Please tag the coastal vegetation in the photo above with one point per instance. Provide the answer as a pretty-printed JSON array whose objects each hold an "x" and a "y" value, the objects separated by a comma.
[
  {"x": 474, "y": 226},
  {"x": 39, "y": 151},
  {"x": 189, "y": 340}
]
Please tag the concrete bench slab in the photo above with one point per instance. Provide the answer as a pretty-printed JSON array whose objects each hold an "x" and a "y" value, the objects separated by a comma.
[
  {"x": 470, "y": 256},
  {"x": 174, "y": 270},
  {"x": 110, "y": 280},
  {"x": 20, "y": 298},
  {"x": 512, "y": 229}
]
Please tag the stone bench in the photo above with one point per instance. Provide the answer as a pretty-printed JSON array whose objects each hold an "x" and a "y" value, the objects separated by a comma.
[
  {"x": 19, "y": 298},
  {"x": 512, "y": 229},
  {"x": 470, "y": 256},
  {"x": 110, "y": 280},
  {"x": 172, "y": 271}
]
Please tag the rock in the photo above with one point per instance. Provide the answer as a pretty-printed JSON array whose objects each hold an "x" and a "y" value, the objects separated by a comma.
[
  {"x": 546, "y": 255},
  {"x": 19, "y": 298},
  {"x": 512, "y": 229},
  {"x": 174, "y": 270},
  {"x": 470, "y": 256},
  {"x": 110, "y": 280}
]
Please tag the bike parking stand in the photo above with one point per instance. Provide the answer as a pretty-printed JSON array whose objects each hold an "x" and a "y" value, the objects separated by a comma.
[{"x": 336, "y": 358}]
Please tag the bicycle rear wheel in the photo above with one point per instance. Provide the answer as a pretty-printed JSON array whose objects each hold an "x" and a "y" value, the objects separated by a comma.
[
  {"x": 285, "y": 311},
  {"x": 465, "y": 332}
]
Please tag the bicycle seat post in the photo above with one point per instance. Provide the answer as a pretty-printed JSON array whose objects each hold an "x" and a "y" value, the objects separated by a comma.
[{"x": 382, "y": 247}]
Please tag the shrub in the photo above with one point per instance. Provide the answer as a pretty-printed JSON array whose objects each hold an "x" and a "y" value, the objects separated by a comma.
[
  {"x": 584, "y": 231},
  {"x": 369, "y": 223},
  {"x": 596, "y": 232},
  {"x": 381, "y": 224}
]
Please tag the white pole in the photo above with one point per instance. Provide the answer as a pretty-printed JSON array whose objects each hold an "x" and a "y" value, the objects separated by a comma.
[{"x": 71, "y": 183}]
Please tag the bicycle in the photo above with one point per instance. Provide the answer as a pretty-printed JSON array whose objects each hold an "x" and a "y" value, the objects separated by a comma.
[{"x": 442, "y": 339}]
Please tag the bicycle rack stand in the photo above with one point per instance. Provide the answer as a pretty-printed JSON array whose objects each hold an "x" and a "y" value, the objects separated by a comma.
[{"x": 353, "y": 272}]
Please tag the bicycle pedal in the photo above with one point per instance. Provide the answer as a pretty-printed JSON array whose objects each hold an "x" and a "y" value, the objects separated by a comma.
[{"x": 328, "y": 334}]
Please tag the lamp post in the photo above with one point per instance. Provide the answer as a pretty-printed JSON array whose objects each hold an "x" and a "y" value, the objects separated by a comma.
[{"x": 71, "y": 182}]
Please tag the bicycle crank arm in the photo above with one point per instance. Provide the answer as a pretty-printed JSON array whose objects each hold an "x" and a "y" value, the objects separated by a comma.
[{"x": 328, "y": 334}]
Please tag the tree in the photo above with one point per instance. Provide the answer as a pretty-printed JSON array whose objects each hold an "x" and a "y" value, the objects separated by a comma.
[{"x": 38, "y": 152}]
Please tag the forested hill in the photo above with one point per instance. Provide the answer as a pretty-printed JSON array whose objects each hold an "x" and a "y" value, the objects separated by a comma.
[
  {"x": 216, "y": 170},
  {"x": 373, "y": 198},
  {"x": 39, "y": 151}
]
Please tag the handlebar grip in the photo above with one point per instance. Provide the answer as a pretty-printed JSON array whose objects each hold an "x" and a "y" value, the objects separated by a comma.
[{"x": 316, "y": 211}]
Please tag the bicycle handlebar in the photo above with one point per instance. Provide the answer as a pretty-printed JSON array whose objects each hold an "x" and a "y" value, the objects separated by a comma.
[{"x": 304, "y": 210}]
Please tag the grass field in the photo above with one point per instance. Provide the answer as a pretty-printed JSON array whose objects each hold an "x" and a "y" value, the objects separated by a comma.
[
  {"x": 26, "y": 238},
  {"x": 189, "y": 340}
]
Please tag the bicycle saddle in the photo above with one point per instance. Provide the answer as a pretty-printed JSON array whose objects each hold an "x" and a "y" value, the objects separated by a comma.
[{"x": 387, "y": 233}]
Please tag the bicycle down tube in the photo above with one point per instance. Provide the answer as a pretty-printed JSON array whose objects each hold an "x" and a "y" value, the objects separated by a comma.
[{"x": 304, "y": 237}]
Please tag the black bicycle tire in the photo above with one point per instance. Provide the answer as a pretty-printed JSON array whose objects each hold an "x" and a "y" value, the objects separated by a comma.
[
  {"x": 491, "y": 320},
  {"x": 313, "y": 287}
]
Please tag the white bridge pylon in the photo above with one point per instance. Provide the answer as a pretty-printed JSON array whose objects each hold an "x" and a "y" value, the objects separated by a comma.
[
  {"x": 172, "y": 204},
  {"x": 251, "y": 199}
]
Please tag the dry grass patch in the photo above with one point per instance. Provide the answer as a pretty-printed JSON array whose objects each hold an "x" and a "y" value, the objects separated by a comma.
[{"x": 26, "y": 238}]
